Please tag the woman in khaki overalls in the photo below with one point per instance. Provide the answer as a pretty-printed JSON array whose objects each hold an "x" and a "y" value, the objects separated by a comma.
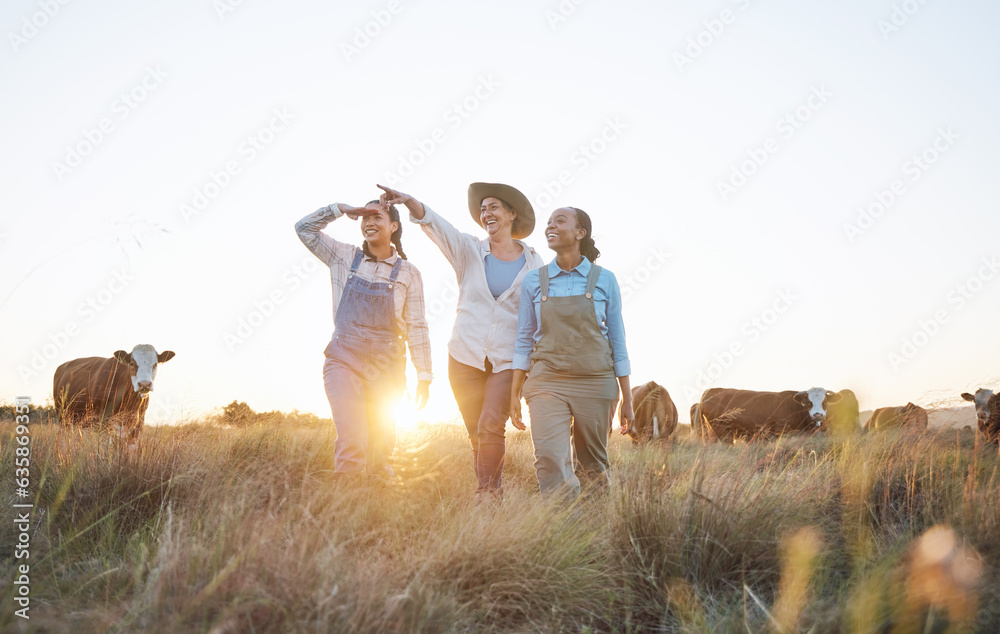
[{"x": 571, "y": 335}]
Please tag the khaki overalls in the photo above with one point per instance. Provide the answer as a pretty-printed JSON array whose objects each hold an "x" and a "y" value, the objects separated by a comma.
[{"x": 571, "y": 391}]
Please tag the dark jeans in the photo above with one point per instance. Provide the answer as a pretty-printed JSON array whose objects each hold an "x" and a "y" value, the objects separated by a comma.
[{"x": 484, "y": 399}]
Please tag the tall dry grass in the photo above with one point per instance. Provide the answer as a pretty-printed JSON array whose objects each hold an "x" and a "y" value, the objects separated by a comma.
[{"x": 211, "y": 529}]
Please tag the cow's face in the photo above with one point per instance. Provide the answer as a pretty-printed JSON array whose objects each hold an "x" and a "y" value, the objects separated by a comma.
[
  {"x": 981, "y": 399},
  {"x": 815, "y": 400},
  {"x": 142, "y": 362}
]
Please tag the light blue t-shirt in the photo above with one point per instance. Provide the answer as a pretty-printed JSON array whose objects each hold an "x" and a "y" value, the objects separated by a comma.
[{"x": 500, "y": 275}]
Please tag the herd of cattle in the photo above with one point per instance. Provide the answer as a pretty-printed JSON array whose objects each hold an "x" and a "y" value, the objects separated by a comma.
[
  {"x": 726, "y": 414},
  {"x": 114, "y": 393}
]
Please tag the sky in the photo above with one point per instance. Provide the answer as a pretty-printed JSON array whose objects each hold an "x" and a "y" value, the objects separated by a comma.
[{"x": 791, "y": 194}]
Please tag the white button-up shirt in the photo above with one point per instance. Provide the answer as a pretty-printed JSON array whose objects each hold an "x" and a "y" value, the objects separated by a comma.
[
  {"x": 485, "y": 328},
  {"x": 408, "y": 293}
]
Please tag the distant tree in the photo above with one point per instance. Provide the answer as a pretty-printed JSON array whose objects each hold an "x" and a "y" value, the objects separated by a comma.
[
  {"x": 40, "y": 413},
  {"x": 238, "y": 414}
]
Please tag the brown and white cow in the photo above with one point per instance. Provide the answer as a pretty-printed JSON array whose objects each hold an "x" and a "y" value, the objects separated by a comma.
[
  {"x": 987, "y": 412},
  {"x": 108, "y": 393},
  {"x": 746, "y": 413},
  {"x": 909, "y": 416},
  {"x": 655, "y": 413}
]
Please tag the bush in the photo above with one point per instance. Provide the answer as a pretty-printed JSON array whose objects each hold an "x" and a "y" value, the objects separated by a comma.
[
  {"x": 239, "y": 414},
  {"x": 44, "y": 414}
]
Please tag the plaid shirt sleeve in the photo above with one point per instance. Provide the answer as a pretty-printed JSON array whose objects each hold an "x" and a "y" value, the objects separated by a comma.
[
  {"x": 310, "y": 231},
  {"x": 417, "y": 333}
]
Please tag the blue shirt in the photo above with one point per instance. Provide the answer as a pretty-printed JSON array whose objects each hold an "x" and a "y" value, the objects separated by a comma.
[
  {"x": 607, "y": 306},
  {"x": 500, "y": 274}
]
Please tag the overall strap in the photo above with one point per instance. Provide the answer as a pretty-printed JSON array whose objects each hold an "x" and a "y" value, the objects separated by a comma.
[
  {"x": 395, "y": 271},
  {"x": 358, "y": 254},
  {"x": 595, "y": 272},
  {"x": 543, "y": 281}
]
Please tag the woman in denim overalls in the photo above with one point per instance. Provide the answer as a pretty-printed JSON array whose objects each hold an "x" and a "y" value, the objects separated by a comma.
[{"x": 379, "y": 307}]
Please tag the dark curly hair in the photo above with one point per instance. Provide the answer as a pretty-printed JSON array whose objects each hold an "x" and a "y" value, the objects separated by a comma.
[{"x": 587, "y": 247}]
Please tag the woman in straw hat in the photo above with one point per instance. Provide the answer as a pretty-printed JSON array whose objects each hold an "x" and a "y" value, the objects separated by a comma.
[
  {"x": 572, "y": 337},
  {"x": 481, "y": 349}
]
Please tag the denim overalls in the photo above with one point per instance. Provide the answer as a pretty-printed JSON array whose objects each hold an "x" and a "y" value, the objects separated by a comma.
[{"x": 364, "y": 374}]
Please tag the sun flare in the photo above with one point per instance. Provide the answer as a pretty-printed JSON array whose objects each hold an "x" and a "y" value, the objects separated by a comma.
[
  {"x": 408, "y": 418},
  {"x": 405, "y": 414}
]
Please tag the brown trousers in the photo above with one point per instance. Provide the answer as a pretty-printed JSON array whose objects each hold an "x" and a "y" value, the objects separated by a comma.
[{"x": 484, "y": 399}]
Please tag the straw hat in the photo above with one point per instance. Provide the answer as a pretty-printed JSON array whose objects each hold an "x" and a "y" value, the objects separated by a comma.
[{"x": 524, "y": 223}]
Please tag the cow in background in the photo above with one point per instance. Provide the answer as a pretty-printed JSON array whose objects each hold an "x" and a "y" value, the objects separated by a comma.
[
  {"x": 108, "y": 393},
  {"x": 731, "y": 414},
  {"x": 655, "y": 413},
  {"x": 699, "y": 429},
  {"x": 909, "y": 416},
  {"x": 987, "y": 413},
  {"x": 843, "y": 416}
]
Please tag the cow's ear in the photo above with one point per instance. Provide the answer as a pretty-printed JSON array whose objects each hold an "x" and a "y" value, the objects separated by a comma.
[
  {"x": 798, "y": 397},
  {"x": 165, "y": 356},
  {"x": 968, "y": 397},
  {"x": 122, "y": 356},
  {"x": 833, "y": 397}
]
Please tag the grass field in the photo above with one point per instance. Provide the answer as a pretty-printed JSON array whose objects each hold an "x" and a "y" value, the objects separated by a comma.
[{"x": 222, "y": 529}]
